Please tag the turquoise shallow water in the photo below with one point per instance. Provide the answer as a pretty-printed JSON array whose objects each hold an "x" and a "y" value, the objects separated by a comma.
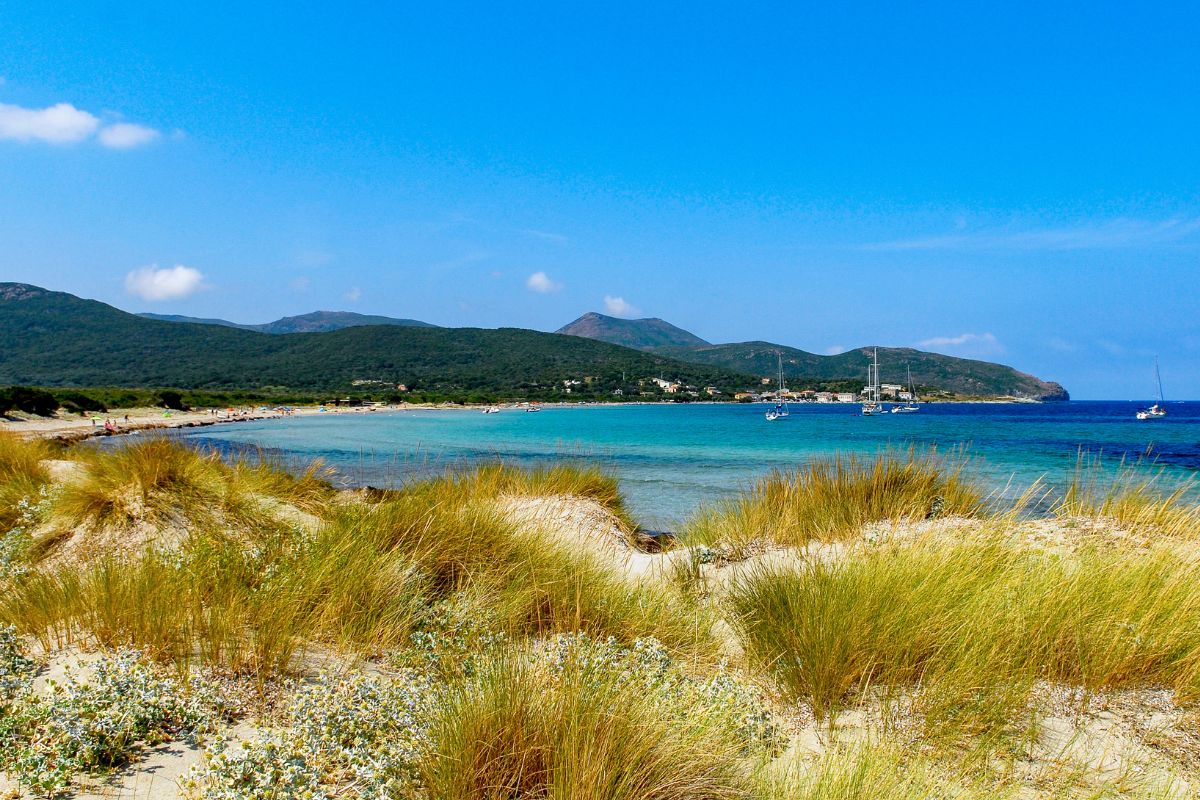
[{"x": 672, "y": 458}]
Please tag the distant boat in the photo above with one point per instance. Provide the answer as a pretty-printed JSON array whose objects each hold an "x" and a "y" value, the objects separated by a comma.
[
  {"x": 911, "y": 406},
  {"x": 491, "y": 410},
  {"x": 780, "y": 411},
  {"x": 871, "y": 405},
  {"x": 1155, "y": 411},
  {"x": 532, "y": 409}
]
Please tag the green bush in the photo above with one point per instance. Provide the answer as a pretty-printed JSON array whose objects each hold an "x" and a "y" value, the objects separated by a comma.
[
  {"x": 169, "y": 398},
  {"x": 30, "y": 401}
]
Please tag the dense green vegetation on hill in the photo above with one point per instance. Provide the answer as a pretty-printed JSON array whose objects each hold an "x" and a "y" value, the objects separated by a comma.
[
  {"x": 962, "y": 376},
  {"x": 56, "y": 340},
  {"x": 844, "y": 372}
]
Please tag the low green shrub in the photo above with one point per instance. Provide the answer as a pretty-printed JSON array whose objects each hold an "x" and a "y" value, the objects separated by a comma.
[
  {"x": 45, "y": 741},
  {"x": 358, "y": 737}
]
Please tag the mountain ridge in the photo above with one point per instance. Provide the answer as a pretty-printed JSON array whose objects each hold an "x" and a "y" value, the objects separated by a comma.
[
  {"x": 640, "y": 334},
  {"x": 56, "y": 339},
  {"x": 964, "y": 376},
  {"x": 312, "y": 322}
]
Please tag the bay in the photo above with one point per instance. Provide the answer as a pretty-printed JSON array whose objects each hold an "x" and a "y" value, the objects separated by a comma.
[{"x": 670, "y": 459}]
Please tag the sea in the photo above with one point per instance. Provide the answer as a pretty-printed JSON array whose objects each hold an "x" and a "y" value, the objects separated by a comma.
[{"x": 671, "y": 459}]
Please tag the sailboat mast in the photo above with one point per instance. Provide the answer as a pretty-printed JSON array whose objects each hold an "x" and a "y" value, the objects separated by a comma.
[{"x": 1158, "y": 380}]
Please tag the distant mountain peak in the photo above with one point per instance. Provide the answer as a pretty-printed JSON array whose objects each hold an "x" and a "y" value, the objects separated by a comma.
[
  {"x": 20, "y": 291},
  {"x": 640, "y": 334},
  {"x": 312, "y": 322}
]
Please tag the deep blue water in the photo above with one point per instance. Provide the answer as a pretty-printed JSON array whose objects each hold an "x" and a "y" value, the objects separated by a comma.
[{"x": 672, "y": 458}]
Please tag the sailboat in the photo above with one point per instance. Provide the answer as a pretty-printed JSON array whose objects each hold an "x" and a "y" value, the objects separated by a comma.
[
  {"x": 911, "y": 406},
  {"x": 780, "y": 411},
  {"x": 1155, "y": 411},
  {"x": 872, "y": 406}
]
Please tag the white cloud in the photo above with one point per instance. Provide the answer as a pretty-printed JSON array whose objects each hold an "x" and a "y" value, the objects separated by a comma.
[
  {"x": 540, "y": 282},
  {"x": 835, "y": 349},
  {"x": 299, "y": 284},
  {"x": 63, "y": 123},
  {"x": 126, "y": 135},
  {"x": 978, "y": 344},
  {"x": 353, "y": 295},
  {"x": 167, "y": 283},
  {"x": 58, "y": 124},
  {"x": 618, "y": 307}
]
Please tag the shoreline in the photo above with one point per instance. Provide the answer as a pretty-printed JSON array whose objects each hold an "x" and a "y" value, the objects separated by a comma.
[{"x": 70, "y": 429}]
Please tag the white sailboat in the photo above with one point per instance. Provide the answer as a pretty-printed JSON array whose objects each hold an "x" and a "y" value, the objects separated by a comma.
[
  {"x": 780, "y": 411},
  {"x": 871, "y": 405},
  {"x": 911, "y": 407},
  {"x": 1155, "y": 411}
]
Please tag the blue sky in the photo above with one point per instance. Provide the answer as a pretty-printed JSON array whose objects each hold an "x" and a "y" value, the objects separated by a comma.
[{"x": 1017, "y": 182}]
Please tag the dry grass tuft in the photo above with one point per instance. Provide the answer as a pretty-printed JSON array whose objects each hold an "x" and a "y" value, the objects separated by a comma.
[
  {"x": 832, "y": 499},
  {"x": 1136, "y": 499},
  {"x": 22, "y": 474},
  {"x": 587, "y": 733},
  {"x": 973, "y": 625}
]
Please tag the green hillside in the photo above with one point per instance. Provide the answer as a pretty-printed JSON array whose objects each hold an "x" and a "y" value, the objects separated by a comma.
[
  {"x": 56, "y": 339},
  {"x": 961, "y": 376}
]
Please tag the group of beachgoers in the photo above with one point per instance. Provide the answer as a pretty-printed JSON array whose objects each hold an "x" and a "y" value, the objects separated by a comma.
[{"x": 110, "y": 424}]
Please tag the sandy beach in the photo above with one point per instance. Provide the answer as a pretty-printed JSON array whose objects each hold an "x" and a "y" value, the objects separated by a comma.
[{"x": 71, "y": 427}]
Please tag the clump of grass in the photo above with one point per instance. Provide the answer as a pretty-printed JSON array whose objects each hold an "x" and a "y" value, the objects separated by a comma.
[
  {"x": 582, "y": 722},
  {"x": 208, "y": 601},
  {"x": 468, "y": 554},
  {"x": 310, "y": 490},
  {"x": 148, "y": 480},
  {"x": 1135, "y": 498},
  {"x": 832, "y": 499},
  {"x": 870, "y": 773},
  {"x": 364, "y": 581},
  {"x": 491, "y": 481},
  {"x": 973, "y": 625},
  {"x": 22, "y": 474}
]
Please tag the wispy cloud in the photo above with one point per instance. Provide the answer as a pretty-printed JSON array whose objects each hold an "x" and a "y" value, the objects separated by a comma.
[
  {"x": 977, "y": 344},
  {"x": 354, "y": 295},
  {"x": 1111, "y": 234},
  {"x": 540, "y": 282},
  {"x": 835, "y": 349},
  {"x": 126, "y": 135},
  {"x": 300, "y": 283},
  {"x": 545, "y": 236},
  {"x": 1061, "y": 345},
  {"x": 166, "y": 283},
  {"x": 64, "y": 124},
  {"x": 619, "y": 307}
]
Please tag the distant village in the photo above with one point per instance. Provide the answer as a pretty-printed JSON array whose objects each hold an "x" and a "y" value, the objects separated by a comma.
[{"x": 656, "y": 387}]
